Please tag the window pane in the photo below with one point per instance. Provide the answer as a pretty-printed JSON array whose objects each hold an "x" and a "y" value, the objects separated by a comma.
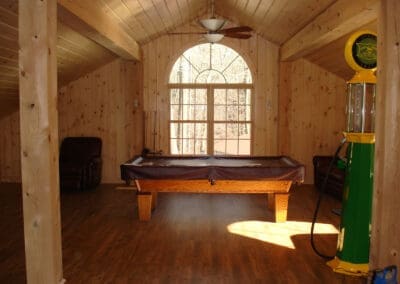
[
  {"x": 186, "y": 95},
  {"x": 232, "y": 130},
  {"x": 231, "y": 147},
  {"x": 201, "y": 146},
  {"x": 210, "y": 76},
  {"x": 188, "y": 146},
  {"x": 232, "y": 97},
  {"x": 244, "y": 147},
  {"x": 176, "y": 146},
  {"x": 219, "y": 131},
  {"x": 201, "y": 130},
  {"x": 238, "y": 72},
  {"x": 219, "y": 147},
  {"x": 220, "y": 113},
  {"x": 174, "y": 96},
  {"x": 244, "y": 113},
  {"x": 188, "y": 130},
  {"x": 219, "y": 97},
  {"x": 244, "y": 131},
  {"x": 201, "y": 96},
  {"x": 176, "y": 112},
  {"x": 176, "y": 130},
  {"x": 232, "y": 113},
  {"x": 200, "y": 112}
]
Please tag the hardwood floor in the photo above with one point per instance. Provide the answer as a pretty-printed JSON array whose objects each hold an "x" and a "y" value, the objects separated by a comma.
[{"x": 187, "y": 240}]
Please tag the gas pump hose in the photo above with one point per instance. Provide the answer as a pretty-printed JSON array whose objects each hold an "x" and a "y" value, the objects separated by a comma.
[{"x": 320, "y": 196}]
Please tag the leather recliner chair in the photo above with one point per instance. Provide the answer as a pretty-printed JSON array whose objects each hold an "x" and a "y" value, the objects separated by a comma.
[
  {"x": 80, "y": 163},
  {"x": 336, "y": 178}
]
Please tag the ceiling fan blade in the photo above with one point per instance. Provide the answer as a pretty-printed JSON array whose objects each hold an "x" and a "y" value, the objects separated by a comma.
[
  {"x": 236, "y": 30},
  {"x": 240, "y": 36}
]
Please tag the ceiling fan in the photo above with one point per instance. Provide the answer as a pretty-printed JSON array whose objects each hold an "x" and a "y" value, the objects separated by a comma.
[{"x": 214, "y": 29}]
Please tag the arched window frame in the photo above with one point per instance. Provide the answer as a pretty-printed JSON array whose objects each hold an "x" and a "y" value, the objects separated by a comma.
[{"x": 212, "y": 122}]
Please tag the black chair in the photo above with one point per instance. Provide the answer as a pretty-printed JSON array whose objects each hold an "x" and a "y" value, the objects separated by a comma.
[
  {"x": 336, "y": 178},
  {"x": 80, "y": 163}
]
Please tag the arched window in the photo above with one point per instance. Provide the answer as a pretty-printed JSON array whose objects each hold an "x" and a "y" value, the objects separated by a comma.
[{"x": 210, "y": 102}]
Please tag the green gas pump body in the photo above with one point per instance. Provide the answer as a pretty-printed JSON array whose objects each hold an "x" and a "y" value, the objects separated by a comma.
[{"x": 352, "y": 256}]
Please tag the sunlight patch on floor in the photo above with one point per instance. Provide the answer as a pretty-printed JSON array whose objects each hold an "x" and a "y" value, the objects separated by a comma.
[{"x": 278, "y": 233}]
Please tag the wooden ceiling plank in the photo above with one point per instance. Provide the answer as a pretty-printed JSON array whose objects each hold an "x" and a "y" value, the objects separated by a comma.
[
  {"x": 11, "y": 5},
  {"x": 140, "y": 15},
  {"x": 134, "y": 10},
  {"x": 183, "y": 9},
  {"x": 8, "y": 17},
  {"x": 174, "y": 11},
  {"x": 252, "y": 7},
  {"x": 8, "y": 42},
  {"x": 125, "y": 18},
  {"x": 164, "y": 14},
  {"x": 197, "y": 9},
  {"x": 339, "y": 19},
  {"x": 98, "y": 26},
  {"x": 8, "y": 31},
  {"x": 151, "y": 13}
]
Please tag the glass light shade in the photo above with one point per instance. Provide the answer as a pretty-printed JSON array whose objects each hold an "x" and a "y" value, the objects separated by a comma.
[
  {"x": 212, "y": 24},
  {"x": 212, "y": 38}
]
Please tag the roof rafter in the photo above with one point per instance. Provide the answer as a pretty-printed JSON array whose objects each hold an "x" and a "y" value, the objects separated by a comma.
[
  {"x": 91, "y": 21},
  {"x": 339, "y": 19}
]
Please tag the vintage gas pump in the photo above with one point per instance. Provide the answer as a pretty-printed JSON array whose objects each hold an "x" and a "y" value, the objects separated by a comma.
[{"x": 352, "y": 256}]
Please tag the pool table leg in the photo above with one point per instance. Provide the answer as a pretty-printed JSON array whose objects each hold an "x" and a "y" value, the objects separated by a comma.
[
  {"x": 279, "y": 203},
  {"x": 144, "y": 205}
]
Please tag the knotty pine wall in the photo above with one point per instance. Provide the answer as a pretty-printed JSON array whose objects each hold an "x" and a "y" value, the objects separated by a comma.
[
  {"x": 311, "y": 112},
  {"x": 106, "y": 103},
  {"x": 263, "y": 59},
  {"x": 305, "y": 119}
]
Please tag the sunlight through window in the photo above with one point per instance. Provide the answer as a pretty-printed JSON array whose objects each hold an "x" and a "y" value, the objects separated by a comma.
[{"x": 278, "y": 233}]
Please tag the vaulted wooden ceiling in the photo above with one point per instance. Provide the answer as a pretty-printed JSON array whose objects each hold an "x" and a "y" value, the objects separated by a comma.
[{"x": 92, "y": 33}]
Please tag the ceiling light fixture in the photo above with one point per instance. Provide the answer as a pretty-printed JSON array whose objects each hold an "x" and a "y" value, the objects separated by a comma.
[{"x": 213, "y": 38}]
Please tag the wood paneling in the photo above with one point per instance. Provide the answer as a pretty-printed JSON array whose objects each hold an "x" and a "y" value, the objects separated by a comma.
[
  {"x": 276, "y": 21},
  {"x": 311, "y": 112},
  {"x": 144, "y": 21},
  {"x": 385, "y": 244},
  {"x": 10, "y": 158},
  {"x": 262, "y": 57},
  {"x": 76, "y": 55},
  {"x": 106, "y": 103}
]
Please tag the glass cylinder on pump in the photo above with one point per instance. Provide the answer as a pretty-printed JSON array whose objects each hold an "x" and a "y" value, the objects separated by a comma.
[{"x": 360, "y": 109}]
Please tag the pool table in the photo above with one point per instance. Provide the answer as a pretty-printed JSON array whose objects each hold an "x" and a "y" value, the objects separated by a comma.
[{"x": 271, "y": 175}]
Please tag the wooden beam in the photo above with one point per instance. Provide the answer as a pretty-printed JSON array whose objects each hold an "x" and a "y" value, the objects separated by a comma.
[
  {"x": 39, "y": 140},
  {"x": 385, "y": 244},
  {"x": 339, "y": 19},
  {"x": 91, "y": 21}
]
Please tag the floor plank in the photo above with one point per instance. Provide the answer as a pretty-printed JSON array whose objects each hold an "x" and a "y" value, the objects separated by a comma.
[{"x": 187, "y": 239}]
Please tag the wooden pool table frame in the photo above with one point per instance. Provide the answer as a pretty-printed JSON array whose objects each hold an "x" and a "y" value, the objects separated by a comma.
[{"x": 277, "y": 191}]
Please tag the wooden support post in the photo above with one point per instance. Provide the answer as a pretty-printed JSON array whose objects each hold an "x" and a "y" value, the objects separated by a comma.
[
  {"x": 281, "y": 206},
  {"x": 144, "y": 205},
  {"x": 385, "y": 244},
  {"x": 39, "y": 140}
]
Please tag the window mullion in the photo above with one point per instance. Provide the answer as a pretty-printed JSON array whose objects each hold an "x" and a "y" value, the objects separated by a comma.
[{"x": 210, "y": 120}]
